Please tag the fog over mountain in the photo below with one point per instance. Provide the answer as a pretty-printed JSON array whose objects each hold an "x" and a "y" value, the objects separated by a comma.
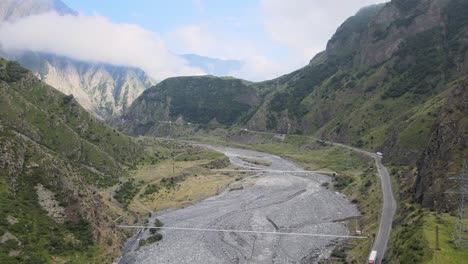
[{"x": 101, "y": 82}]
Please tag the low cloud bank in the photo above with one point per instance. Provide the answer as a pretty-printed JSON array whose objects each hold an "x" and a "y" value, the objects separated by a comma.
[{"x": 95, "y": 38}]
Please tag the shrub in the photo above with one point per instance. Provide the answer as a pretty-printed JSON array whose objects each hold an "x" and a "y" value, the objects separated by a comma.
[{"x": 15, "y": 72}]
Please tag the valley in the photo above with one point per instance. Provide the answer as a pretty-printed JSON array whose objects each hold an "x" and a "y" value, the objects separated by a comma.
[
  {"x": 115, "y": 149},
  {"x": 277, "y": 202}
]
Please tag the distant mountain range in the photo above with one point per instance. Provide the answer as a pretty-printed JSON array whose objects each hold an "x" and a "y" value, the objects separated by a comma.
[
  {"x": 212, "y": 66},
  {"x": 103, "y": 89}
]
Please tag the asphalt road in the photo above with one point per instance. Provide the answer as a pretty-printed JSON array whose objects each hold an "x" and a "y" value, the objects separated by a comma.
[
  {"x": 388, "y": 206},
  {"x": 269, "y": 202}
]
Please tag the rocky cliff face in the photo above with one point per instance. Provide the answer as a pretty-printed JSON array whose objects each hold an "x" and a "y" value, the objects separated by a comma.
[
  {"x": 12, "y": 10},
  {"x": 101, "y": 88},
  {"x": 376, "y": 32}
]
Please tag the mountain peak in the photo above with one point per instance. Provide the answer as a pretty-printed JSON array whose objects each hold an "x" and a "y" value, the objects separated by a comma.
[{"x": 12, "y": 10}]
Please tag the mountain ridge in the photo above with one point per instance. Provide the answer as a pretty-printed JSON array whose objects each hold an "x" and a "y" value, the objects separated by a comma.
[
  {"x": 103, "y": 89},
  {"x": 12, "y": 10},
  {"x": 381, "y": 84}
]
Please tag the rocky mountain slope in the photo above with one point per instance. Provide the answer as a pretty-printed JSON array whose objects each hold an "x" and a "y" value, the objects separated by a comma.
[
  {"x": 382, "y": 84},
  {"x": 54, "y": 157},
  {"x": 101, "y": 88},
  {"x": 12, "y": 10},
  {"x": 195, "y": 100}
]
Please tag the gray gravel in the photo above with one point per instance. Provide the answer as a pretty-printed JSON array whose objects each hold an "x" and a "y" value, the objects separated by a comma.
[{"x": 291, "y": 202}]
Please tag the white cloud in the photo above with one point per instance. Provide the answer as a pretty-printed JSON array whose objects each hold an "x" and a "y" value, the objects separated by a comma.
[
  {"x": 305, "y": 26},
  {"x": 95, "y": 38},
  {"x": 296, "y": 29},
  {"x": 258, "y": 68},
  {"x": 204, "y": 40}
]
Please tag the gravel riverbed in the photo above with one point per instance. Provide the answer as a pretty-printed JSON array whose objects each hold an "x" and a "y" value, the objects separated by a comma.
[{"x": 270, "y": 201}]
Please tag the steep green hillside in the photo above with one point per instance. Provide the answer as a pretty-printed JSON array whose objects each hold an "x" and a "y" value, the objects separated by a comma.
[
  {"x": 199, "y": 100},
  {"x": 382, "y": 84},
  {"x": 354, "y": 93},
  {"x": 54, "y": 159}
]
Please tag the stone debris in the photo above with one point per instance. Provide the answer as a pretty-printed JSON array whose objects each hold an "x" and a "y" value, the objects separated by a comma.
[
  {"x": 9, "y": 236},
  {"x": 11, "y": 220},
  {"x": 48, "y": 203}
]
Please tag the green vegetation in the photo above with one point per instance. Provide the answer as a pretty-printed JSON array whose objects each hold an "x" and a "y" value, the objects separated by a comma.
[
  {"x": 38, "y": 236},
  {"x": 151, "y": 188},
  {"x": 158, "y": 223},
  {"x": 202, "y": 155},
  {"x": 256, "y": 162},
  {"x": 150, "y": 240},
  {"x": 198, "y": 100},
  {"x": 414, "y": 240},
  {"x": 155, "y": 236},
  {"x": 48, "y": 140},
  {"x": 127, "y": 191}
]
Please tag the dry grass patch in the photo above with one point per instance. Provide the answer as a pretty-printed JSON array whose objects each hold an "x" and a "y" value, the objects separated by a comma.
[{"x": 191, "y": 190}]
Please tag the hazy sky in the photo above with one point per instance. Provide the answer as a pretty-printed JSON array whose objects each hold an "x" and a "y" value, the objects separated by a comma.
[{"x": 273, "y": 37}]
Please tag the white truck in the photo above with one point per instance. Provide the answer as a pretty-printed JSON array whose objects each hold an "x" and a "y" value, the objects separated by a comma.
[
  {"x": 380, "y": 154},
  {"x": 373, "y": 257}
]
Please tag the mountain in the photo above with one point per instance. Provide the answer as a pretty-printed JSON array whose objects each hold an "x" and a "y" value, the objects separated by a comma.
[
  {"x": 382, "y": 84},
  {"x": 213, "y": 66},
  {"x": 101, "y": 88},
  {"x": 53, "y": 157},
  {"x": 392, "y": 79},
  {"x": 12, "y": 10},
  {"x": 198, "y": 100}
]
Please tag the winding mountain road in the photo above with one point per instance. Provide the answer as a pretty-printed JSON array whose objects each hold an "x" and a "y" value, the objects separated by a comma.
[
  {"x": 389, "y": 204},
  {"x": 388, "y": 207}
]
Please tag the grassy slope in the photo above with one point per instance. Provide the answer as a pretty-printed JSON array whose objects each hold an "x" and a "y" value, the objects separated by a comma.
[
  {"x": 47, "y": 138},
  {"x": 391, "y": 107},
  {"x": 415, "y": 240}
]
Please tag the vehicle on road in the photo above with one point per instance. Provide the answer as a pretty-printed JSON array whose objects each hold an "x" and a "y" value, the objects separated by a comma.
[
  {"x": 380, "y": 154},
  {"x": 372, "y": 257}
]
